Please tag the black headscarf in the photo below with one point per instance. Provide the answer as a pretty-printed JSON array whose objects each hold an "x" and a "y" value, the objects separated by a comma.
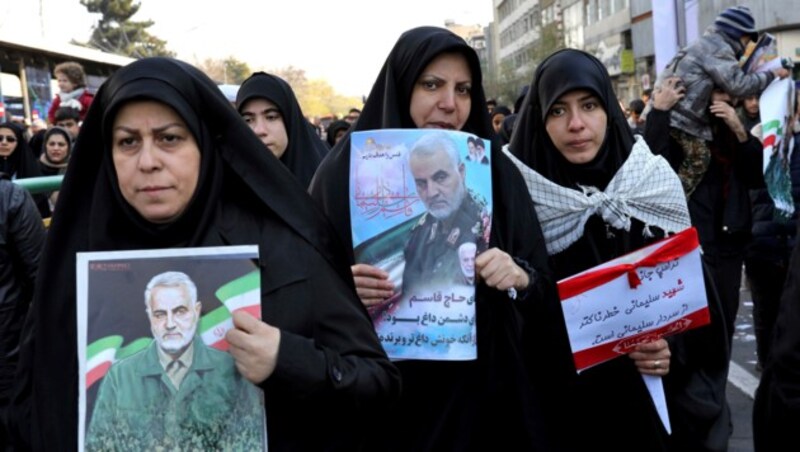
[
  {"x": 388, "y": 107},
  {"x": 460, "y": 399},
  {"x": 305, "y": 149},
  {"x": 21, "y": 163},
  {"x": 333, "y": 129},
  {"x": 93, "y": 216},
  {"x": 554, "y": 77}
]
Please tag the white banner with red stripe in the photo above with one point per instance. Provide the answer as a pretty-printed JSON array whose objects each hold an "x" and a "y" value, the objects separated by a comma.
[{"x": 654, "y": 292}]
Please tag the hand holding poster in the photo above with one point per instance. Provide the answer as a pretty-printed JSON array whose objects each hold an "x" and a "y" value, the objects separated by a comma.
[
  {"x": 154, "y": 373},
  {"x": 654, "y": 292},
  {"x": 420, "y": 205}
]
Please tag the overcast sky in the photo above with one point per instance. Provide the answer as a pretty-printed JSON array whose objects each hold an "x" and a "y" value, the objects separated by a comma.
[{"x": 342, "y": 41}]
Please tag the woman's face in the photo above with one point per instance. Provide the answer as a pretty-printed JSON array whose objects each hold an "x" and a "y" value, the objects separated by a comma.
[
  {"x": 56, "y": 148},
  {"x": 156, "y": 158},
  {"x": 441, "y": 98},
  {"x": 8, "y": 142},
  {"x": 576, "y": 124},
  {"x": 497, "y": 122},
  {"x": 64, "y": 83}
]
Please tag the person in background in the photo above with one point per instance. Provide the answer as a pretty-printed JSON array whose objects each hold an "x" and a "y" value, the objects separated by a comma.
[
  {"x": 491, "y": 104},
  {"x": 18, "y": 162},
  {"x": 21, "y": 238},
  {"x": 336, "y": 131},
  {"x": 749, "y": 112},
  {"x": 721, "y": 212},
  {"x": 68, "y": 118},
  {"x": 55, "y": 157},
  {"x": 72, "y": 83},
  {"x": 776, "y": 410},
  {"x": 268, "y": 105},
  {"x": 767, "y": 255},
  {"x": 352, "y": 115},
  {"x": 497, "y": 117},
  {"x": 635, "y": 121},
  {"x": 432, "y": 79},
  {"x": 711, "y": 61},
  {"x": 646, "y": 94}
]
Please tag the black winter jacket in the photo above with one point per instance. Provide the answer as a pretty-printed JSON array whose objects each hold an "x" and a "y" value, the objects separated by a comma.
[
  {"x": 774, "y": 240},
  {"x": 21, "y": 238}
]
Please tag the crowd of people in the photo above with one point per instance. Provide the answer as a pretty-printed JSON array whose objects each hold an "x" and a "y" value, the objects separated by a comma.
[{"x": 159, "y": 158}]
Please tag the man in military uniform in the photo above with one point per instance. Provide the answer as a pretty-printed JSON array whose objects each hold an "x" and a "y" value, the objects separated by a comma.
[
  {"x": 178, "y": 393},
  {"x": 452, "y": 217}
]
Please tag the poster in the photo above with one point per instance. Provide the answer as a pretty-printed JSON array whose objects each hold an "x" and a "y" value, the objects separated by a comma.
[
  {"x": 421, "y": 208},
  {"x": 654, "y": 292},
  {"x": 776, "y": 111},
  {"x": 39, "y": 91},
  {"x": 154, "y": 373}
]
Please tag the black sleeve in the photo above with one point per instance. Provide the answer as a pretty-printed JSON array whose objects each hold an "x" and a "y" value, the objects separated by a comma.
[
  {"x": 26, "y": 232},
  {"x": 656, "y": 134},
  {"x": 749, "y": 163}
]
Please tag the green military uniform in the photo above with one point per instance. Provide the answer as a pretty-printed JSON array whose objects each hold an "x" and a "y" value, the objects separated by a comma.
[
  {"x": 138, "y": 407},
  {"x": 431, "y": 253}
]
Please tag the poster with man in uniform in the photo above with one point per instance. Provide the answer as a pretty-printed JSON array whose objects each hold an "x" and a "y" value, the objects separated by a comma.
[
  {"x": 421, "y": 211},
  {"x": 155, "y": 371}
]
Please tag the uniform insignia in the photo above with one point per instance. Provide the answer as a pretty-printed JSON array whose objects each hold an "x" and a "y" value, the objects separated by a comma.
[
  {"x": 477, "y": 228},
  {"x": 433, "y": 232},
  {"x": 453, "y": 237},
  {"x": 420, "y": 222}
]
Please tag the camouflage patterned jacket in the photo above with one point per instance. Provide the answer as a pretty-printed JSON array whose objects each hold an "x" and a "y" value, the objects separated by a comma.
[{"x": 709, "y": 62}]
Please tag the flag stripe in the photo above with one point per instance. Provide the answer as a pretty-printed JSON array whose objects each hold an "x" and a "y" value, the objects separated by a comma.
[
  {"x": 103, "y": 344},
  {"x": 246, "y": 283},
  {"x": 97, "y": 373},
  {"x": 106, "y": 355},
  {"x": 214, "y": 318},
  {"x": 244, "y": 301}
]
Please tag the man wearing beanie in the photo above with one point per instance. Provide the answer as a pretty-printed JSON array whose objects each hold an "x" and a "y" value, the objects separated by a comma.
[{"x": 711, "y": 61}]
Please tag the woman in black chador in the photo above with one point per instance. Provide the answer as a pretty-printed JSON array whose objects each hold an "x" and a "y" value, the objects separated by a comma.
[
  {"x": 432, "y": 79},
  {"x": 599, "y": 195},
  {"x": 269, "y": 106},
  {"x": 163, "y": 161}
]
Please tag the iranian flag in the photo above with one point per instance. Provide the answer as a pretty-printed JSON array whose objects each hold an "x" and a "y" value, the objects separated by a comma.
[
  {"x": 242, "y": 293},
  {"x": 100, "y": 356},
  {"x": 213, "y": 327},
  {"x": 102, "y": 353}
]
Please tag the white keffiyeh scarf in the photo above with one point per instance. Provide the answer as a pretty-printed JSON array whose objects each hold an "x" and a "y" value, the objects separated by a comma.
[{"x": 645, "y": 188}]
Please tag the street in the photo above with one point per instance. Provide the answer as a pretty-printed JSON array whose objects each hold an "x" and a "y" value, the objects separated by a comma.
[{"x": 743, "y": 377}]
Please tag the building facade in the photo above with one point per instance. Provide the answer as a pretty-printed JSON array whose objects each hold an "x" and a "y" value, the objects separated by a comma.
[{"x": 633, "y": 38}]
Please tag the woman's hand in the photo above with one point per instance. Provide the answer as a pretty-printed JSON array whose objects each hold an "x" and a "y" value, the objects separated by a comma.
[
  {"x": 372, "y": 284},
  {"x": 498, "y": 270},
  {"x": 652, "y": 358},
  {"x": 254, "y": 346}
]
